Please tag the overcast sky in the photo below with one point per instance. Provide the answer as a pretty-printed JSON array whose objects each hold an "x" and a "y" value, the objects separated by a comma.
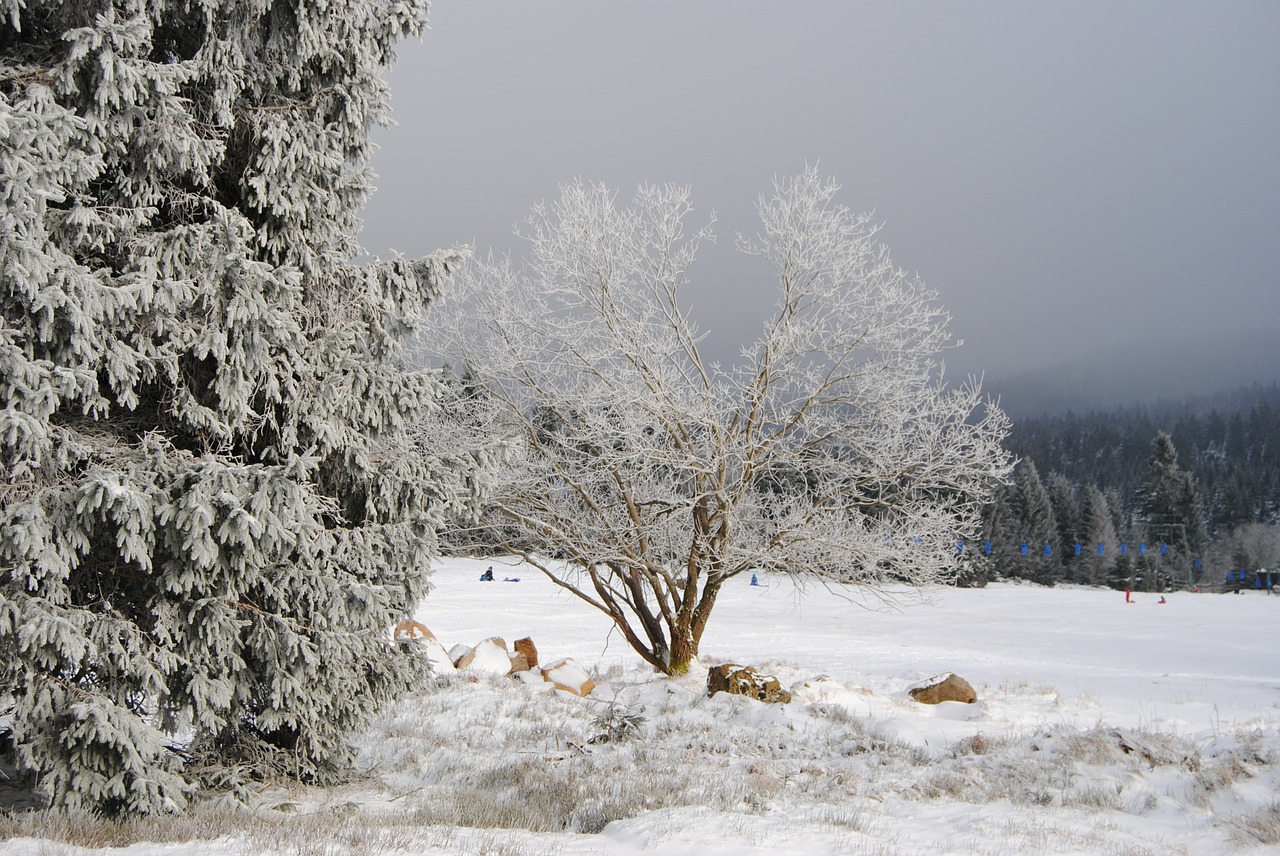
[{"x": 1068, "y": 176}]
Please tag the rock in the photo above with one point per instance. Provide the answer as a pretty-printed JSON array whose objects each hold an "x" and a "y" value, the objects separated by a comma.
[
  {"x": 457, "y": 652},
  {"x": 519, "y": 663},
  {"x": 488, "y": 656},
  {"x": 437, "y": 656},
  {"x": 945, "y": 687},
  {"x": 718, "y": 677},
  {"x": 411, "y": 630},
  {"x": 525, "y": 646},
  {"x": 823, "y": 690},
  {"x": 567, "y": 675},
  {"x": 415, "y": 633},
  {"x": 745, "y": 681},
  {"x": 534, "y": 677}
]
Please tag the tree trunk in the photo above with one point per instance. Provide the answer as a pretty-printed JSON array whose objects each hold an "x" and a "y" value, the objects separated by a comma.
[
  {"x": 684, "y": 650},
  {"x": 686, "y": 636}
]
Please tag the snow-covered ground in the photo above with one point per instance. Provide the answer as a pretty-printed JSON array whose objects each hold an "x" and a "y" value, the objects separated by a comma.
[{"x": 1101, "y": 727}]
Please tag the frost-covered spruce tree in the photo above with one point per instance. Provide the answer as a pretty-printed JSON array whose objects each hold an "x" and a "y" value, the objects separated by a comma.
[{"x": 209, "y": 519}]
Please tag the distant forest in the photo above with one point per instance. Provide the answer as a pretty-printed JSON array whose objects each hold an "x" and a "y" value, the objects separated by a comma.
[{"x": 1171, "y": 494}]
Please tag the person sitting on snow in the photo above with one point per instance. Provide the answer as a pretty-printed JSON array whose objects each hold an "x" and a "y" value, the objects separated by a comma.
[{"x": 487, "y": 576}]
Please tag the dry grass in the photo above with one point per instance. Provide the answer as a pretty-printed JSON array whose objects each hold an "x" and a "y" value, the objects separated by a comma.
[
  {"x": 464, "y": 764},
  {"x": 1261, "y": 826},
  {"x": 203, "y": 821},
  {"x": 323, "y": 833}
]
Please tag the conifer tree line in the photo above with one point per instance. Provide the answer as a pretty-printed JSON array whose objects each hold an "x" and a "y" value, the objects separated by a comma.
[{"x": 1198, "y": 481}]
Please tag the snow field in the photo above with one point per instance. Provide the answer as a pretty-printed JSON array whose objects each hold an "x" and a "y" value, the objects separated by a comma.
[{"x": 1100, "y": 728}]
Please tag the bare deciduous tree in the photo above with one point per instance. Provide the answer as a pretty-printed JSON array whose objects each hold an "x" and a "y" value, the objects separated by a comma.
[{"x": 647, "y": 477}]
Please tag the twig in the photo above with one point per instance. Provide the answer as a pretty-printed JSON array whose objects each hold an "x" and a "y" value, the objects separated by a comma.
[{"x": 407, "y": 793}]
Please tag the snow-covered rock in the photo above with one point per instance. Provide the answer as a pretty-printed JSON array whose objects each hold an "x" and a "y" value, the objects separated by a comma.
[
  {"x": 944, "y": 687},
  {"x": 437, "y": 656},
  {"x": 534, "y": 678},
  {"x": 746, "y": 681},
  {"x": 567, "y": 675},
  {"x": 416, "y": 633},
  {"x": 411, "y": 630},
  {"x": 488, "y": 656}
]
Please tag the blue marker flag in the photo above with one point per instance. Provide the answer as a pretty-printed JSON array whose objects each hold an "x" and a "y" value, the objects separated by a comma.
[
  {"x": 1077, "y": 549},
  {"x": 986, "y": 547},
  {"x": 1047, "y": 550},
  {"x": 1101, "y": 547},
  {"x": 1024, "y": 548}
]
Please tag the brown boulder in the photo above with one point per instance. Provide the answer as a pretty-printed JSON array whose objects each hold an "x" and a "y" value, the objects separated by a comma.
[
  {"x": 946, "y": 687},
  {"x": 718, "y": 677},
  {"x": 519, "y": 663},
  {"x": 526, "y": 647},
  {"x": 745, "y": 681},
  {"x": 411, "y": 630}
]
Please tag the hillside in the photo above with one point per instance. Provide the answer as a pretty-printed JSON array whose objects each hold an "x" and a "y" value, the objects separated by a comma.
[
  {"x": 1229, "y": 441},
  {"x": 1154, "y": 374}
]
